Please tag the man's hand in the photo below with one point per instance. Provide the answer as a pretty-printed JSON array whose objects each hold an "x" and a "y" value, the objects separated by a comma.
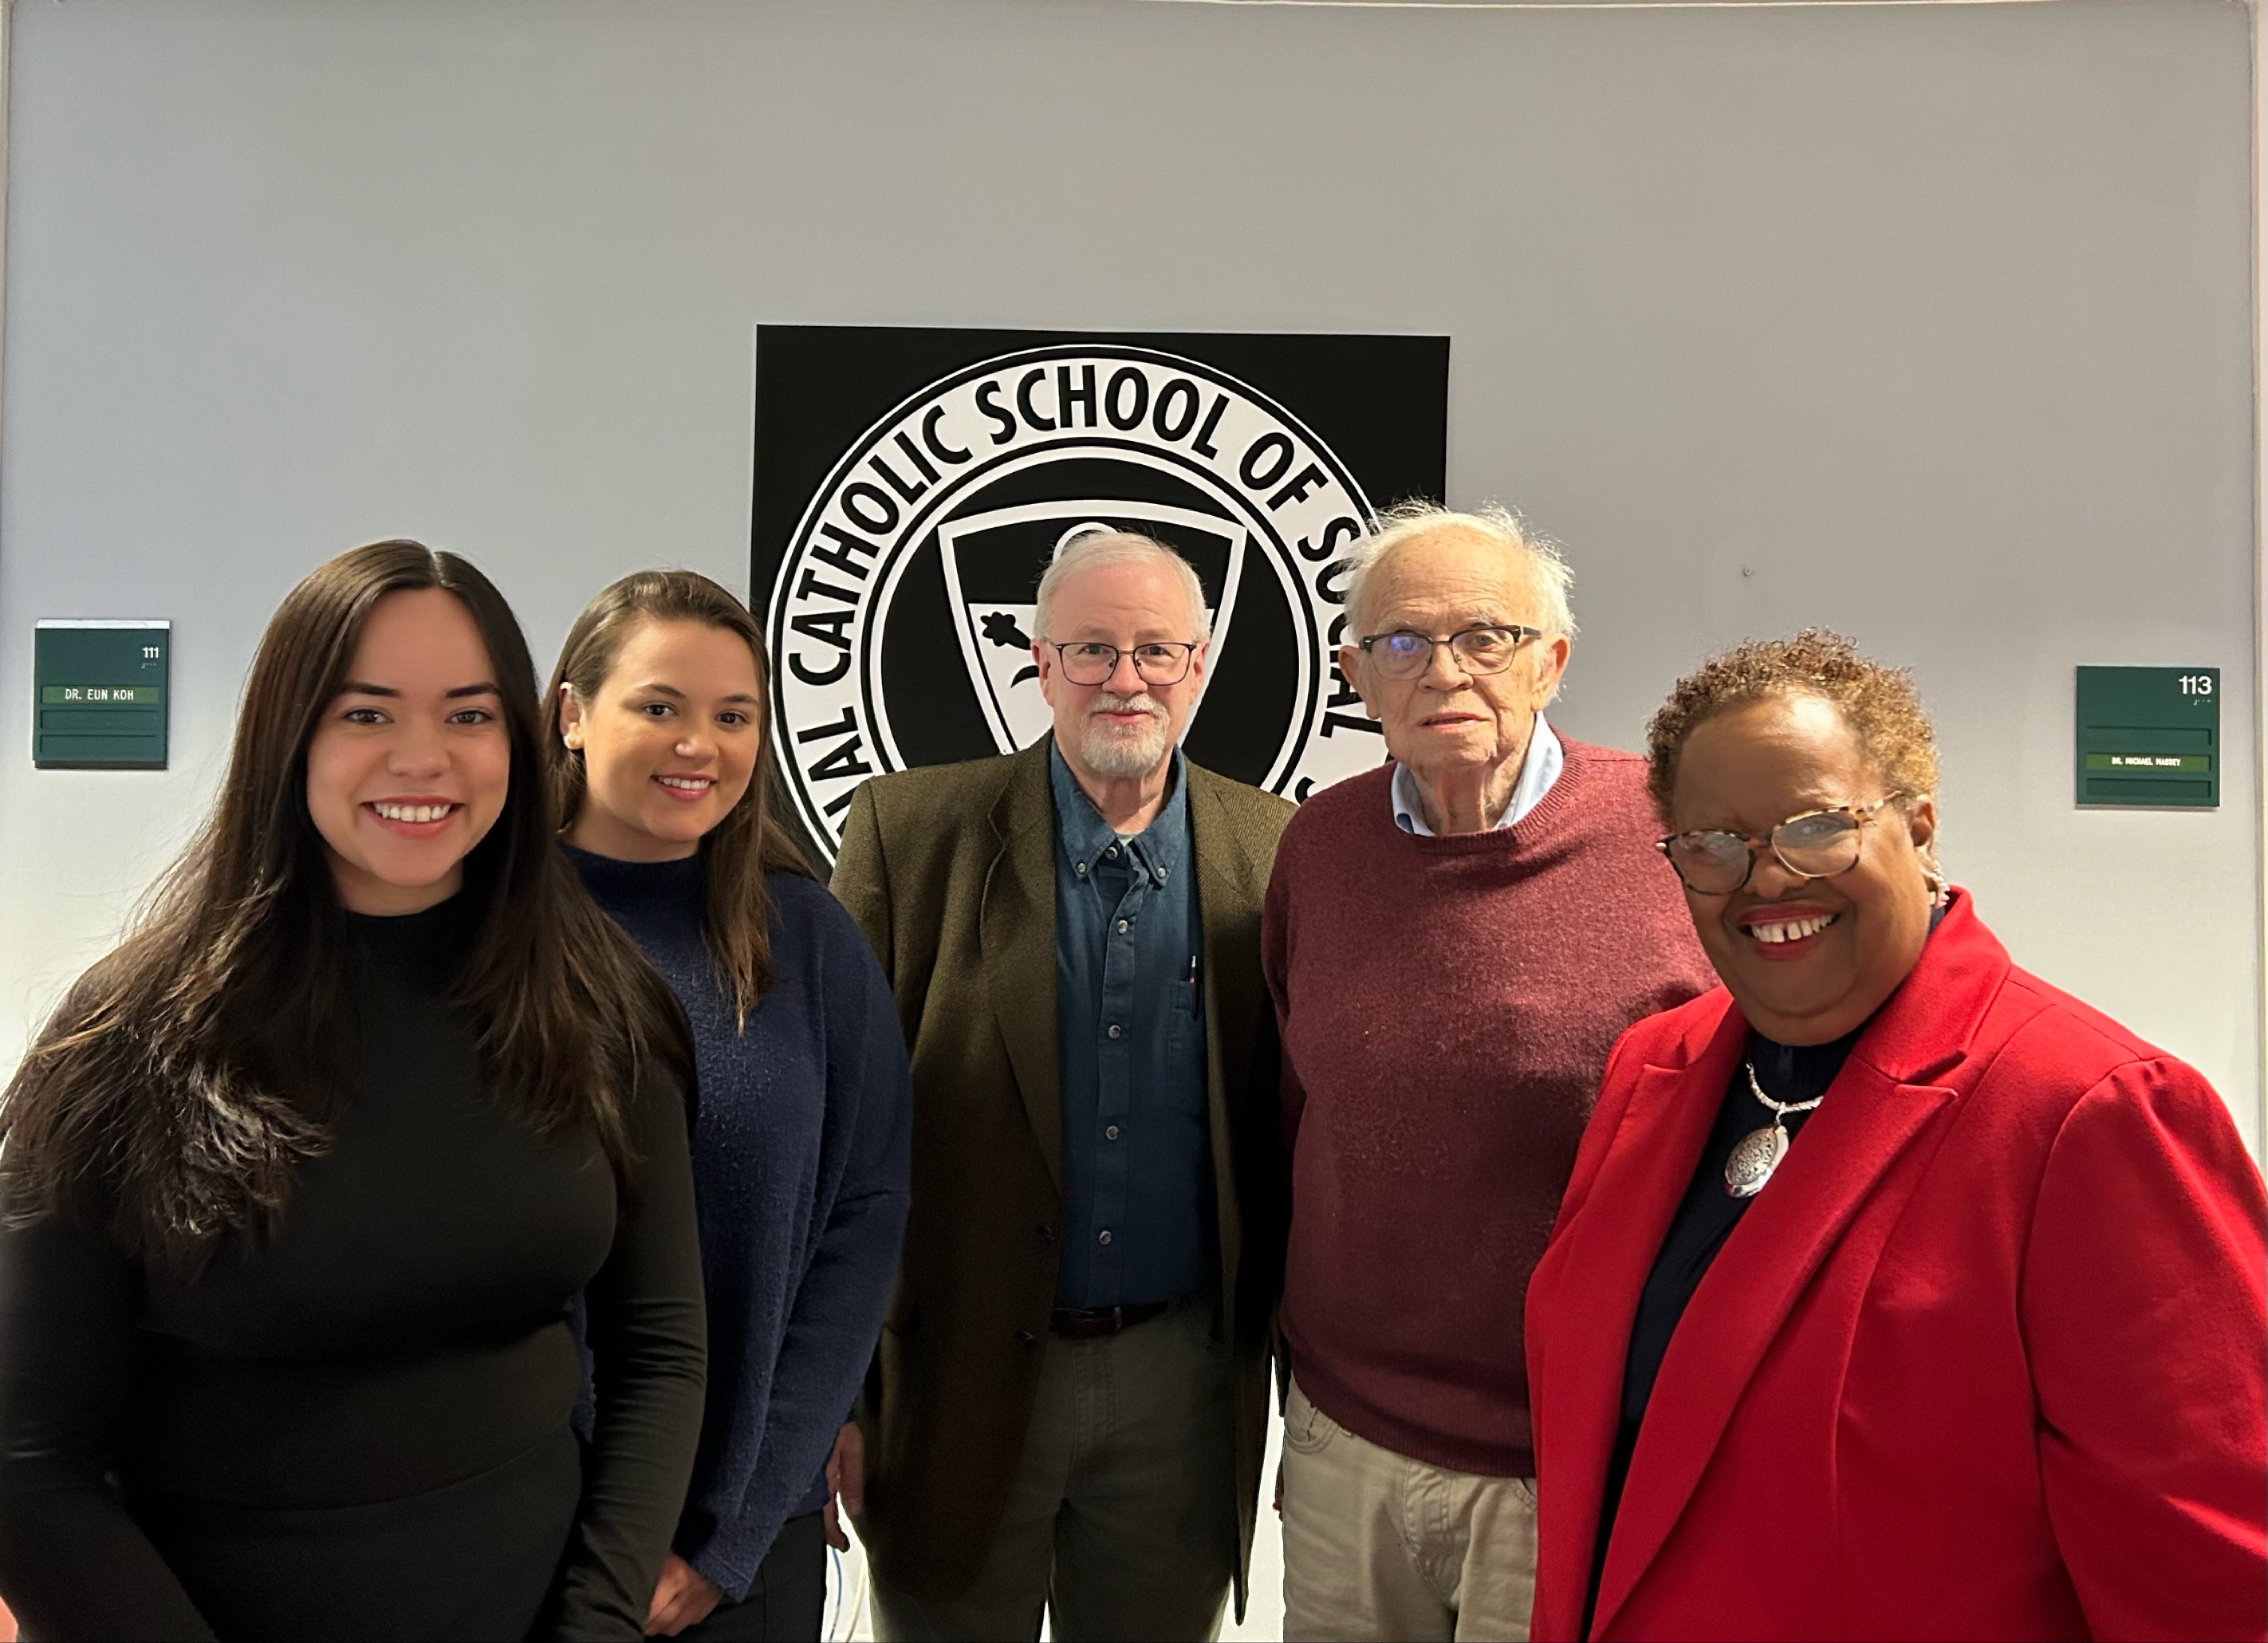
[
  {"x": 846, "y": 1483},
  {"x": 680, "y": 1597}
]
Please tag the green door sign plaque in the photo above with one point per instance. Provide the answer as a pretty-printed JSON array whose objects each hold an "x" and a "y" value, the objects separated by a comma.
[
  {"x": 2149, "y": 736},
  {"x": 99, "y": 693}
]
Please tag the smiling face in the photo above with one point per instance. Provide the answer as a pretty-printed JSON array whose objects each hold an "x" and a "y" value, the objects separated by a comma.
[
  {"x": 410, "y": 762},
  {"x": 1124, "y": 727},
  {"x": 669, "y": 742},
  {"x": 1439, "y": 585},
  {"x": 1806, "y": 960}
]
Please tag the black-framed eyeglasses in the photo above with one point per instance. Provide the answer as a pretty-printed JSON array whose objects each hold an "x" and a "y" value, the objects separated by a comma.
[
  {"x": 1159, "y": 662},
  {"x": 1489, "y": 648},
  {"x": 1816, "y": 845}
]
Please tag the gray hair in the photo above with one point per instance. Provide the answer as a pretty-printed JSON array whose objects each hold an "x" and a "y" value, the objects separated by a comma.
[
  {"x": 1407, "y": 521},
  {"x": 1100, "y": 548}
]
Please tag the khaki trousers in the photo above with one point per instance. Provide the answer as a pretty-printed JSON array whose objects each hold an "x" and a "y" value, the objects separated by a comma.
[
  {"x": 1379, "y": 1545},
  {"x": 1121, "y": 1519}
]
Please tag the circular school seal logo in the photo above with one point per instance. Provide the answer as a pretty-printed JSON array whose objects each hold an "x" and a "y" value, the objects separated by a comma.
[{"x": 900, "y": 618}]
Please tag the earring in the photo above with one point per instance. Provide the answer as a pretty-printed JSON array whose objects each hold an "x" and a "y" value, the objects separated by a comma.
[{"x": 1940, "y": 891}]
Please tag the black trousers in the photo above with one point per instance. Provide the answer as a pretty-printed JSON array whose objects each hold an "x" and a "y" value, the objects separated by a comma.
[{"x": 787, "y": 1603}]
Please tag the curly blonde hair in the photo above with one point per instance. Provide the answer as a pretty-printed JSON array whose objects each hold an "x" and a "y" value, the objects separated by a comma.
[{"x": 1879, "y": 703}]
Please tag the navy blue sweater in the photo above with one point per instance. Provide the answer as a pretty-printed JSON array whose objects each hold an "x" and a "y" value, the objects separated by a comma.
[{"x": 800, "y": 1157}]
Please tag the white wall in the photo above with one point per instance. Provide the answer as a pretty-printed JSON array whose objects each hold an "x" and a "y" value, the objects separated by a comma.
[{"x": 1930, "y": 322}]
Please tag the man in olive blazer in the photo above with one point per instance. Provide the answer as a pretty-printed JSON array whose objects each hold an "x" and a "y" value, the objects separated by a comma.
[{"x": 973, "y": 1515}]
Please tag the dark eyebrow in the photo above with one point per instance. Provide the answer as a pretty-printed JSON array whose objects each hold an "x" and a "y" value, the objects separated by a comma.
[
  {"x": 659, "y": 689},
  {"x": 357, "y": 687}
]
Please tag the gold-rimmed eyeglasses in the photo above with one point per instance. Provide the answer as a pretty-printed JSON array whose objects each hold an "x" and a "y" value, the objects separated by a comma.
[{"x": 1815, "y": 845}]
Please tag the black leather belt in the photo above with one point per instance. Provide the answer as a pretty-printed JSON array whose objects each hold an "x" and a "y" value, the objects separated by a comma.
[{"x": 1086, "y": 1324}]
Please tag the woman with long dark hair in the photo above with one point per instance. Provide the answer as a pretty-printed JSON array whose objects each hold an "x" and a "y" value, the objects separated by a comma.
[
  {"x": 662, "y": 773},
  {"x": 300, "y": 1180}
]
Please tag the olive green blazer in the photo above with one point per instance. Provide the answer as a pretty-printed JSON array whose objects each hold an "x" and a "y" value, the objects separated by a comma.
[{"x": 950, "y": 871}]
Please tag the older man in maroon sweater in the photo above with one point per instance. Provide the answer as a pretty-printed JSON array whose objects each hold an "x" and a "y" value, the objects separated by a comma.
[{"x": 1453, "y": 942}]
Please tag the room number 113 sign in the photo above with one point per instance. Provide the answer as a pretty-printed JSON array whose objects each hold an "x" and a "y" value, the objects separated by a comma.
[{"x": 2149, "y": 737}]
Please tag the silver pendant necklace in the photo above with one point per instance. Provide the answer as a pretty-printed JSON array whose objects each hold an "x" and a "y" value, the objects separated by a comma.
[{"x": 1757, "y": 1154}]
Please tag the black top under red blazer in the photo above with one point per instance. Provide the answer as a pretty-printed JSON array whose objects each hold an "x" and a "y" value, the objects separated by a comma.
[{"x": 1985, "y": 1359}]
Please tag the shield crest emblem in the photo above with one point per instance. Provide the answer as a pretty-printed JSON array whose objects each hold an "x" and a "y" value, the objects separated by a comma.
[{"x": 993, "y": 562}]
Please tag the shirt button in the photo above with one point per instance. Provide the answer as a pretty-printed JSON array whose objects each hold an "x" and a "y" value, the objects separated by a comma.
[
  {"x": 1162, "y": 875},
  {"x": 1124, "y": 926},
  {"x": 1103, "y": 1236},
  {"x": 1025, "y": 1338},
  {"x": 1080, "y": 868},
  {"x": 1112, "y": 852},
  {"x": 1046, "y": 1231},
  {"x": 1117, "y": 1031},
  {"x": 1110, "y": 1134}
]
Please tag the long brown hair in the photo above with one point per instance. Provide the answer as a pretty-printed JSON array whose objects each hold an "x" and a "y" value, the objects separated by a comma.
[
  {"x": 750, "y": 842},
  {"x": 186, "y": 1075}
]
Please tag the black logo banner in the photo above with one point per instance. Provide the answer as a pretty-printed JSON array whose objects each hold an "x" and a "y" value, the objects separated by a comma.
[{"x": 912, "y": 484}]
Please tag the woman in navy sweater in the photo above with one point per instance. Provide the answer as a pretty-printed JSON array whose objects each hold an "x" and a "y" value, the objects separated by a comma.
[{"x": 663, "y": 774}]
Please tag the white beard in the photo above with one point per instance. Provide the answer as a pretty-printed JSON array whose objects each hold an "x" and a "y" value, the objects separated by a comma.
[{"x": 1121, "y": 754}]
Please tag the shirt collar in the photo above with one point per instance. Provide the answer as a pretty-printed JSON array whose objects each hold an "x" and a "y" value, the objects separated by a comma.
[
  {"x": 1545, "y": 759},
  {"x": 1084, "y": 835}
]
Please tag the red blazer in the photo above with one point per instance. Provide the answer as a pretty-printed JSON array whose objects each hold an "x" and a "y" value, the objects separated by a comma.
[{"x": 1985, "y": 1359}]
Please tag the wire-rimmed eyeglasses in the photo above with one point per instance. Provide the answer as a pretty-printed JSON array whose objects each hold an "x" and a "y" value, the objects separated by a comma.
[
  {"x": 1816, "y": 845},
  {"x": 1158, "y": 662},
  {"x": 1487, "y": 648}
]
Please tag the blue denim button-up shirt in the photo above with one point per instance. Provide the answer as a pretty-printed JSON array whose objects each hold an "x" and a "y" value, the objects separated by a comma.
[{"x": 1136, "y": 1138}]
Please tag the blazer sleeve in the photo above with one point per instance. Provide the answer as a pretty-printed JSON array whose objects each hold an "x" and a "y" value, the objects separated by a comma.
[
  {"x": 649, "y": 1344},
  {"x": 1275, "y": 969},
  {"x": 72, "y": 1562},
  {"x": 2143, "y": 1310},
  {"x": 861, "y": 879}
]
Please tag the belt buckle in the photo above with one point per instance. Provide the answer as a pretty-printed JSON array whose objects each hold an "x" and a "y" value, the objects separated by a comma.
[{"x": 1088, "y": 1323}]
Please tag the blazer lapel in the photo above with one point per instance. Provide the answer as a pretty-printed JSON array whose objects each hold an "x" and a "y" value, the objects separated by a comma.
[
  {"x": 1886, "y": 1098},
  {"x": 1016, "y": 935},
  {"x": 1866, "y": 1122},
  {"x": 1643, "y": 1177},
  {"x": 1227, "y": 898}
]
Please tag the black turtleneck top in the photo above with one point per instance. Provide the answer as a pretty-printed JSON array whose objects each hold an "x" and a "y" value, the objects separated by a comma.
[{"x": 359, "y": 1428}]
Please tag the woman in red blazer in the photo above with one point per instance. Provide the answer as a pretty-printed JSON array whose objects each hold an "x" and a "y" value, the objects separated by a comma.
[{"x": 1895, "y": 1293}]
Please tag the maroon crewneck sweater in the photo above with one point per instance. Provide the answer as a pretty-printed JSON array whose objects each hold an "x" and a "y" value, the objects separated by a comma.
[{"x": 1446, "y": 1007}]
